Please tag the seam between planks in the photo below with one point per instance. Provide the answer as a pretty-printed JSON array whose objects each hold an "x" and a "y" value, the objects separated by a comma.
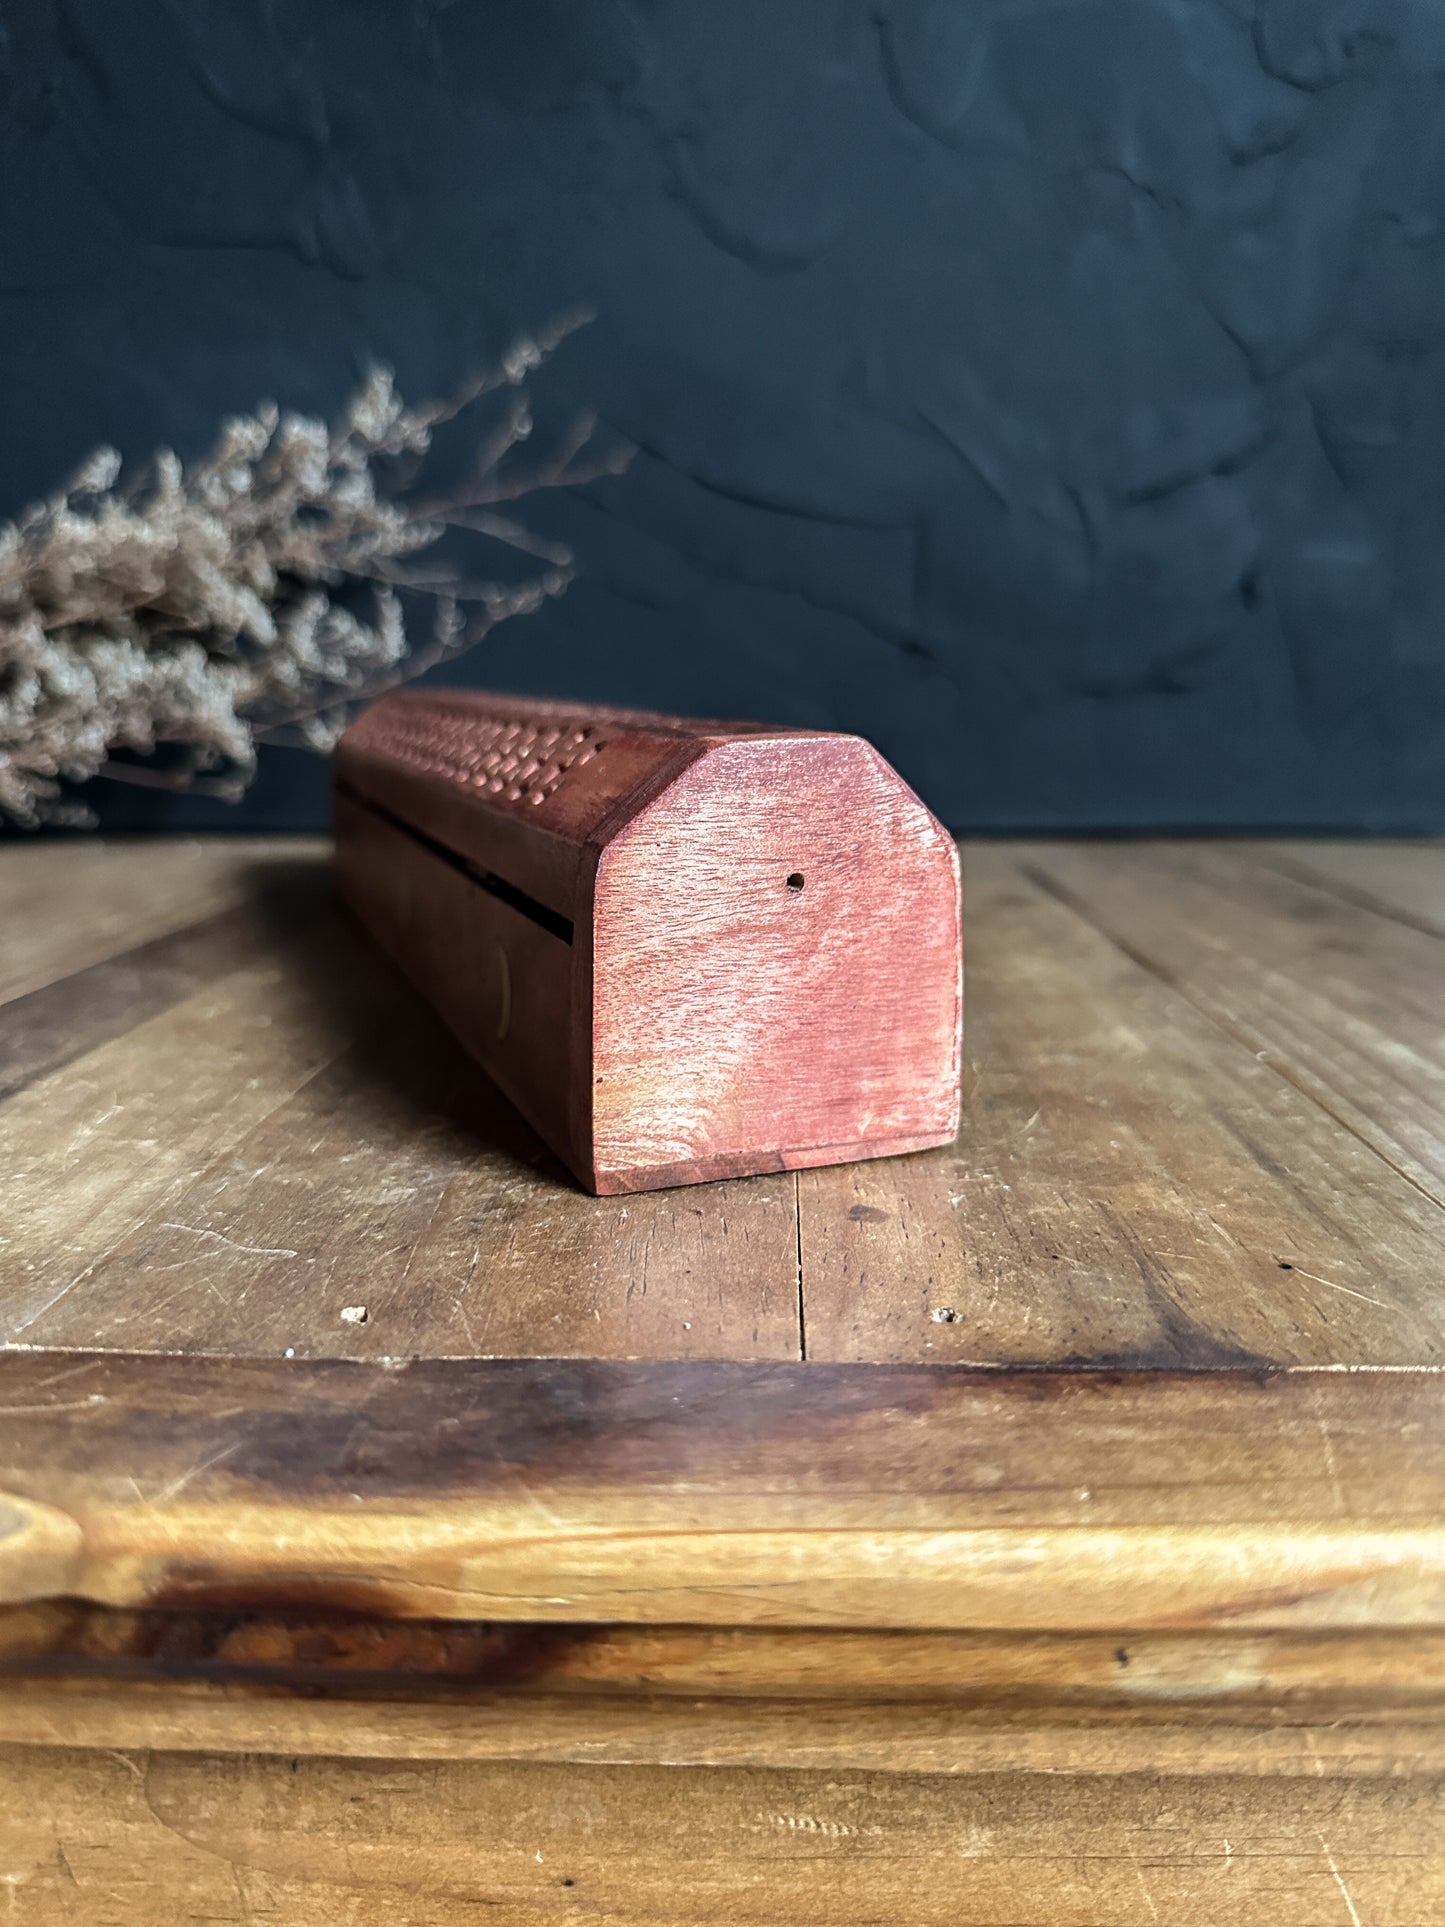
[
  {"x": 1066, "y": 898},
  {"x": 259, "y": 847},
  {"x": 212, "y": 1157},
  {"x": 1349, "y": 893},
  {"x": 169, "y": 987},
  {"x": 798, "y": 1234},
  {"x": 972, "y": 1367}
]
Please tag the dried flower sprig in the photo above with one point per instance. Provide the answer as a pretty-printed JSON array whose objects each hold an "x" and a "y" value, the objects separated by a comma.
[{"x": 206, "y": 607}]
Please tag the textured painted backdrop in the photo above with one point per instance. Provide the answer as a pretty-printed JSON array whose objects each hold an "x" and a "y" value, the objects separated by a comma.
[{"x": 1052, "y": 391}]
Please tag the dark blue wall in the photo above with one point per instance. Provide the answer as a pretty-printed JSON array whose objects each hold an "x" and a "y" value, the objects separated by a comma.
[{"x": 1053, "y": 392}]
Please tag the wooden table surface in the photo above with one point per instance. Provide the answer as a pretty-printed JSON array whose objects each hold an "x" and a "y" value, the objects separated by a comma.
[{"x": 1064, "y": 1509}]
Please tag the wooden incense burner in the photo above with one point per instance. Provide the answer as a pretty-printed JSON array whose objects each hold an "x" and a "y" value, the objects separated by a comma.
[{"x": 685, "y": 950}]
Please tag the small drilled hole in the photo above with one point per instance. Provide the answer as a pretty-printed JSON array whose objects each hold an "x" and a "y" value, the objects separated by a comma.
[{"x": 795, "y": 882}]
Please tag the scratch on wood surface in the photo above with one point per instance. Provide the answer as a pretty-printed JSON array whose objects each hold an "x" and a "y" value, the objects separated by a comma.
[
  {"x": 63, "y": 1378},
  {"x": 194, "y": 1472},
  {"x": 552, "y": 1520},
  {"x": 1363, "y": 1297},
  {"x": 420, "y": 1239},
  {"x": 247, "y": 1915},
  {"x": 1423, "y": 1370},
  {"x": 810, "y": 1823},
  {"x": 461, "y": 1304},
  {"x": 1339, "y": 1879},
  {"x": 69, "y": 1405},
  {"x": 87, "y": 1129},
  {"x": 255, "y": 1251},
  {"x": 40, "y": 1312},
  {"x": 1144, "y": 1888},
  {"x": 1327, "y": 1446}
]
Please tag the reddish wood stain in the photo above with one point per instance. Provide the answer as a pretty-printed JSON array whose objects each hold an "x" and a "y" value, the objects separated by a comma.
[{"x": 686, "y": 950}]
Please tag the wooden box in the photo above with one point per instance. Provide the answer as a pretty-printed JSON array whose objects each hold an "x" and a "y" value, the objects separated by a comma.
[{"x": 686, "y": 950}]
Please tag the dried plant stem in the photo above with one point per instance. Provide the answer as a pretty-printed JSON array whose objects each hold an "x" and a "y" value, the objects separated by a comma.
[{"x": 205, "y": 608}]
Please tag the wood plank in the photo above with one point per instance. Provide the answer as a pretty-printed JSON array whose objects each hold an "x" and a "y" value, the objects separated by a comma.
[
  {"x": 48, "y": 1028},
  {"x": 1395, "y": 879},
  {"x": 889, "y": 1737},
  {"x": 1224, "y": 1672},
  {"x": 1347, "y": 1005},
  {"x": 67, "y": 905},
  {"x": 1122, "y": 1644},
  {"x": 1128, "y": 1188},
  {"x": 723, "y": 1493},
  {"x": 110, "y": 1142},
  {"x": 90, "y": 1837},
  {"x": 299, "y": 1138},
  {"x": 397, "y": 1182},
  {"x": 1132, "y": 1186},
  {"x": 1350, "y": 1704}
]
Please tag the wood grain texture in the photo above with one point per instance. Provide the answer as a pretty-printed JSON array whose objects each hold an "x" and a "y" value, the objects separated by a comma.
[
  {"x": 1136, "y": 1184},
  {"x": 722, "y": 1494},
  {"x": 72, "y": 905},
  {"x": 1350, "y": 1704},
  {"x": 122, "y": 1838},
  {"x": 1347, "y": 1005},
  {"x": 686, "y": 950},
  {"x": 221, "y": 1139},
  {"x": 776, "y": 972},
  {"x": 408, "y": 1634},
  {"x": 1225, "y": 1672},
  {"x": 1401, "y": 880},
  {"x": 1302, "y": 1742}
]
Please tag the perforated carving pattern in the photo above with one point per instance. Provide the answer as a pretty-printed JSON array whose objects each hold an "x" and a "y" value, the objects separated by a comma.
[{"x": 512, "y": 759}]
